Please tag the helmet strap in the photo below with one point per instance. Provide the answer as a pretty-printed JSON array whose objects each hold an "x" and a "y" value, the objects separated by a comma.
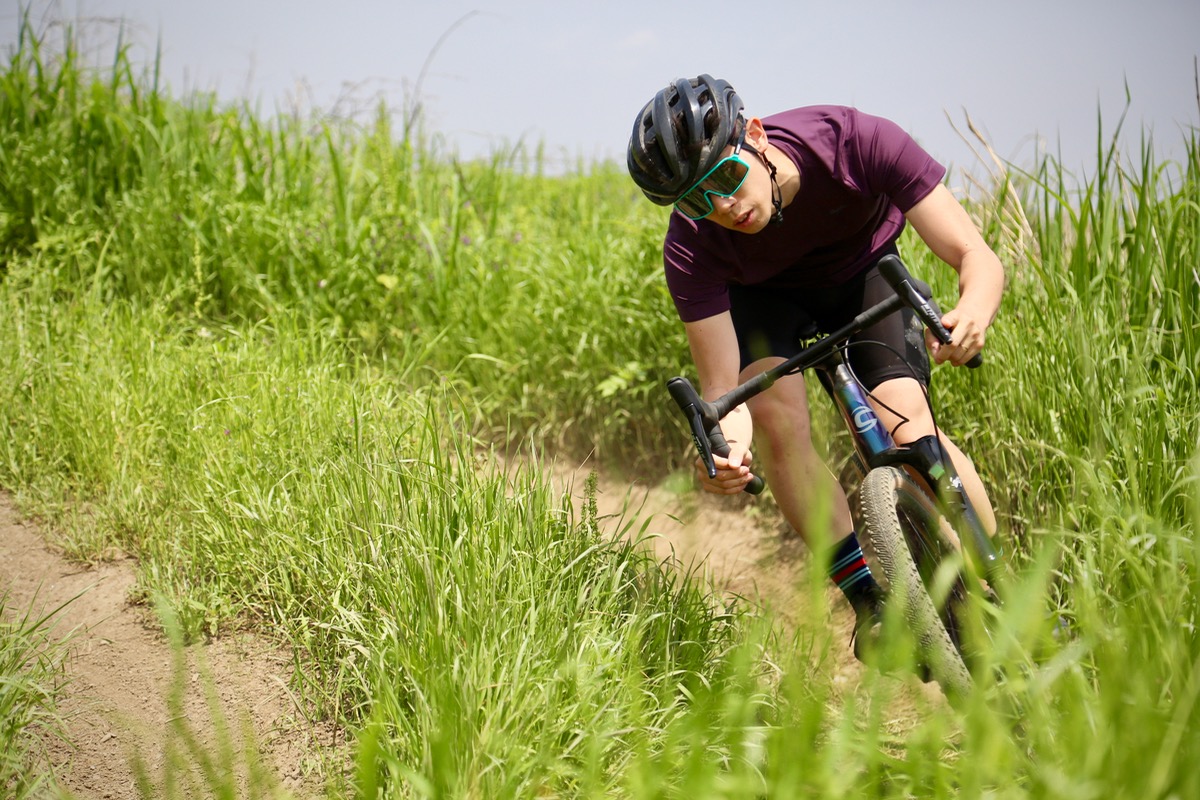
[{"x": 776, "y": 192}]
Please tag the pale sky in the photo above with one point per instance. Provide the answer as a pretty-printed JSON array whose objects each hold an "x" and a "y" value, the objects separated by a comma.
[{"x": 571, "y": 76}]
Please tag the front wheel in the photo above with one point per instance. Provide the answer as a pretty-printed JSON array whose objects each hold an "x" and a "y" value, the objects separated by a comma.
[{"x": 906, "y": 540}]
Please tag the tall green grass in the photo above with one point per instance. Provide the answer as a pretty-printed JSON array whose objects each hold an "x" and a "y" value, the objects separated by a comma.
[
  {"x": 1112, "y": 306},
  {"x": 30, "y": 677},
  {"x": 218, "y": 213},
  {"x": 266, "y": 476},
  {"x": 277, "y": 360}
]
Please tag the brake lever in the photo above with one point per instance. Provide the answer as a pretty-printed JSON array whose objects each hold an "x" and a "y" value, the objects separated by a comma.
[
  {"x": 919, "y": 297},
  {"x": 689, "y": 403},
  {"x": 705, "y": 429}
]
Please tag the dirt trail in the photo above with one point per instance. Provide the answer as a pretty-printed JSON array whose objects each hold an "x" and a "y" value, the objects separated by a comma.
[
  {"x": 754, "y": 556},
  {"x": 120, "y": 671},
  {"x": 121, "y": 668},
  {"x": 746, "y": 554}
]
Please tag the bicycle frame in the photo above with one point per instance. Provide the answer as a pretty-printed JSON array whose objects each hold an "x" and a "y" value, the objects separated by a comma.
[
  {"x": 875, "y": 447},
  {"x": 873, "y": 444}
]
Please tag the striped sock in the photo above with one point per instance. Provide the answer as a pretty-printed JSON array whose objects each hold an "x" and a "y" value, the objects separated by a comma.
[{"x": 850, "y": 572}]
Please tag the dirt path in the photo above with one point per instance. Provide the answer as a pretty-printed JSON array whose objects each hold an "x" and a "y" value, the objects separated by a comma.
[
  {"x": 751, "y": 555},
  {"x": 120, "y": 671},
  {"x": 740, "y": 552}
]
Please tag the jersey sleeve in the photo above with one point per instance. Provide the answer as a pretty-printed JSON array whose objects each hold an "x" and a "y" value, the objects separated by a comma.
[
  {"x": 697, "y": 293},
  {"x": 893, "y": 164}
]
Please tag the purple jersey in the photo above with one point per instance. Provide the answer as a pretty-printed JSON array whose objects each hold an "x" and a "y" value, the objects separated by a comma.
[{"x": 858, "y": 175}]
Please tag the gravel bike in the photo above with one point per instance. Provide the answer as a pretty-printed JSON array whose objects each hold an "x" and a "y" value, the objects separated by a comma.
[{"x": 911, "y": 513}]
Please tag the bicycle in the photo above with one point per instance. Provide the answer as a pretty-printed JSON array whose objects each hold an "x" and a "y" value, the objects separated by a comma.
[{"x": 909, "y": 507}]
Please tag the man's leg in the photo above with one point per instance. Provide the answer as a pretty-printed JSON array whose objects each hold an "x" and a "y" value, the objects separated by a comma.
[
  {"x": 809, "y": 495},
  {"x": 806, "y": 491}
]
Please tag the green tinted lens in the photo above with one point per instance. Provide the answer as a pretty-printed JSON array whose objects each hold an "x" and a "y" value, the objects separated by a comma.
[
  {"x": 722, "y": 180},
  {"x": 726, "y": 178},
  {"x": 694, "y": 205}
]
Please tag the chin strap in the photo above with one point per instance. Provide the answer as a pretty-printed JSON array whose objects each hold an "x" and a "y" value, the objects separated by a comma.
[{"x": 776, "y": 192}]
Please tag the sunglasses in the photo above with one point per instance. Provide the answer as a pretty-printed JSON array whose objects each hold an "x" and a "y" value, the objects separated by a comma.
[{"x": 723, "y": 180}]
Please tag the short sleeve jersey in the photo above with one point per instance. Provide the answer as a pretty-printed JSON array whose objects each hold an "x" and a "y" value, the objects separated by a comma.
[{"x": 859, "y": 174}]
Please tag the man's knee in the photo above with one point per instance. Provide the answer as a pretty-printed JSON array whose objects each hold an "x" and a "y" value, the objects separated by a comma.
[
  {"x": 781, "y": 414},
  {"x": 903, "y": 408}
]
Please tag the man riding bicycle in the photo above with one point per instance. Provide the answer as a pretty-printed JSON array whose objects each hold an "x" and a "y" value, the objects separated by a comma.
[{"x": 779, "y": 224}]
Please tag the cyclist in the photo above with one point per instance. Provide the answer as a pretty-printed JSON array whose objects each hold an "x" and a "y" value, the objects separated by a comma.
[{"x": 778, "y": 224}]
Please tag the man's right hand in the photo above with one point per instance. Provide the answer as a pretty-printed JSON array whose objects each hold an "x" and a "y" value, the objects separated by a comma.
[{"x": 733, "y": 471}]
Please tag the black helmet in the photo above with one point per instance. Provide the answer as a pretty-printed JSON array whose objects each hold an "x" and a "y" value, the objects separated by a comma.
[{"x": 680, "y": 134}]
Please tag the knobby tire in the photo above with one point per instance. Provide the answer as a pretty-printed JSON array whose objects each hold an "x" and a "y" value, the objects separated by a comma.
[{"x": 901, "y": 530}]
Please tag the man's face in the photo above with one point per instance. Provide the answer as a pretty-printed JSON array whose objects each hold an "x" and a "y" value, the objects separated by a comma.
[{"x": 749, "y": 209}]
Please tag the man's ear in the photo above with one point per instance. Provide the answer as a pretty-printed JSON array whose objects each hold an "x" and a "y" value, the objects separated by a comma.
[{"x": 756, "y": 135}]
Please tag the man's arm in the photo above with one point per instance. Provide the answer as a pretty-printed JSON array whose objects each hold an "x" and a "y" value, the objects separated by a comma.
[
  {"x": 944, "y": 225},
  {"x": 715, "y": 352}
]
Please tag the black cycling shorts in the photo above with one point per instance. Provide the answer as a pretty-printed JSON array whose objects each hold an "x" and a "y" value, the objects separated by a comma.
[{"x": 771, "y": 321}]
